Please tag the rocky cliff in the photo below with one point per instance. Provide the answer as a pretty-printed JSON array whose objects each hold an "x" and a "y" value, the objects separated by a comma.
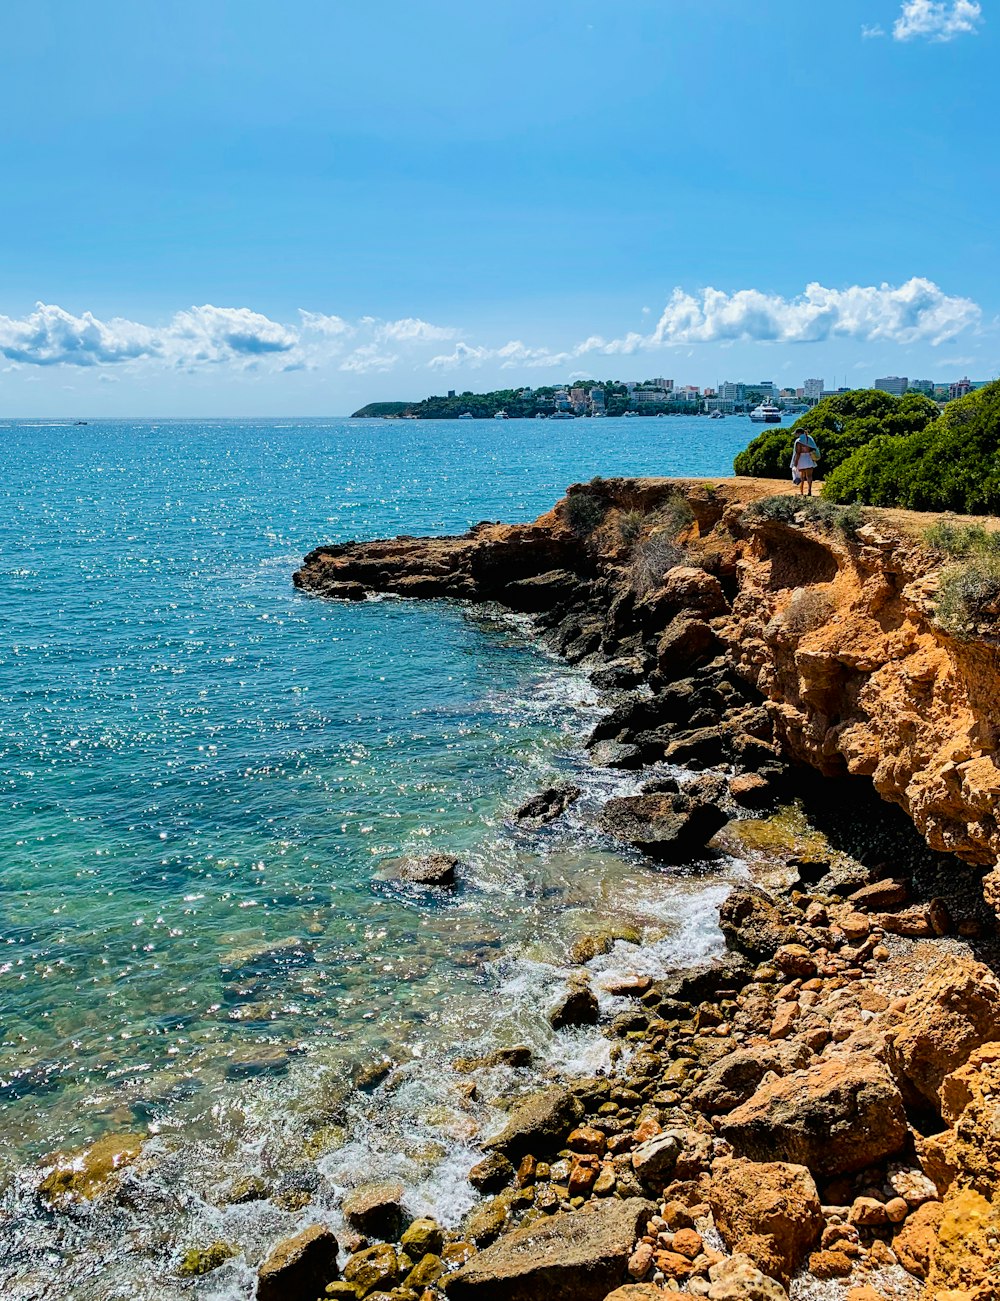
[{"x": 828, "y": 621}]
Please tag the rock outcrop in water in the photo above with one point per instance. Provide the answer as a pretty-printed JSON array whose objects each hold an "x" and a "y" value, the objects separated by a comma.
[{"x": 830, "y": 636}]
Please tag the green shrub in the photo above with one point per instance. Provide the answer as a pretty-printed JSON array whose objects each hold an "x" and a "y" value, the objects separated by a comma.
[
  {"x": 950, "y": 465},
  {"x": 630, "y": 526},
  {"x": 584, "y": 512},
  {"x": 840, "y": 425},
  {"x": 788, "y": 508},
  {"x": 961, "y": 540},
  {"x": 969, "y": 596}
]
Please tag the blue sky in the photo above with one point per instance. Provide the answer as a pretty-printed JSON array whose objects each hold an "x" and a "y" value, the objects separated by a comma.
[{"x": 249, "y": 208}]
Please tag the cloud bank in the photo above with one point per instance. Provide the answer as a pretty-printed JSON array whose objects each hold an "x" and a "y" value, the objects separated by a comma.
[
  {"x": 241, "y": 339},
  {"x": 937, "y": 20},
  {"x": 915, "y": 312}
]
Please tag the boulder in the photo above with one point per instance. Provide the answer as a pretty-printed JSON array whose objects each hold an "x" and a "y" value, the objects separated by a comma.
[
  {"x": 492, "y": 1173},
  {"x": 547, "y": 805},
  {"x": 538, "y": 1124},
  {"x": 423, "y": 869},
  {"x": 735, "y": 1077},
  {"x": 372, "y": 1269},
  {"x": 376, "y": 1210},
  {"x": 636, "y": 1292},
  {"x": 422, "y": 1237},
  {"x": 970, "y": 1104},
  {"x": 667, "y": 826},
  {"x": 754, "y": 923},
  {"x": 837, "y": 1117},
  {"x": 655, "y": 1160},
  {"x": 565, "y": 1257},
  {"x": 540, "y": 591},
  {"x": 299, "y": 1268},
  {"x": 686, "y": 587},
  {"x": 686, "y": 642},
  {"x": 916, "y": 1241},
  {"x": 578, "y": 1006},
  {"x": 954, "y": 1011},
  {"x": 85, "y": 1173},
  {"x": 770, "y": 1211},
  {"x": 738, "y": 1279}
]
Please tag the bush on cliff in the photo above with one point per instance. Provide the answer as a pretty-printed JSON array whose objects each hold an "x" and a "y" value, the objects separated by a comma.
[
  {"x": 952, "y": 464},
  {"x": 840, "y": 425}
]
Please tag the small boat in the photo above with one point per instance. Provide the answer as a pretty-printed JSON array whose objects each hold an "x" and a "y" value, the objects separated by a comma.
[
  {"x": 631, "y": 415},
  {"x": 562, "y": 415},
  {"x": 466, "y": 415},
  {"x": 501, "y": 415},
  {"x": 766, "y": 414},
  {"x": 79, "y": 422},
  {"x": 717, "y": 415}
]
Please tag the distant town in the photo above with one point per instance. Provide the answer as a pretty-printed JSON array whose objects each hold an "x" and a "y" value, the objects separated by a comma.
[{"x": 651, "y": 397}]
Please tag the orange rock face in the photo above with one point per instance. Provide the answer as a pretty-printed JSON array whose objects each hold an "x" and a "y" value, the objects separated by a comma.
[{"x": 769, "y": 1211}]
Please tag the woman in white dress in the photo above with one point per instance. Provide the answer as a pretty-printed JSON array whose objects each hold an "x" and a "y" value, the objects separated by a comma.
[{"x": 805, "y": 456}]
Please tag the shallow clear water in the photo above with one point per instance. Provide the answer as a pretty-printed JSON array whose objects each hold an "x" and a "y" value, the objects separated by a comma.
[{"x": 201, "y": 771}]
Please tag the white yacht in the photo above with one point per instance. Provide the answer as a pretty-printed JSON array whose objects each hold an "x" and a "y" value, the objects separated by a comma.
[
  {"x": 717, "y": 415},
  {"x": 466, "y": 415},
  {"x": 501, "y": 415},
  {"x": 766, "y": 414}
]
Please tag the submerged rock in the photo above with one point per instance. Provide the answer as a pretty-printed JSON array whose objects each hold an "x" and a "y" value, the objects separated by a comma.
[
  {"x": 423, "y": 869},
  {"x": 547, "y": 805},
  {"x": 299, "y": 1268},
  {"x": 85, "y": 1173},
  {"x": 203, "y": 1260},
  {"x": 568, "y": 1257}
]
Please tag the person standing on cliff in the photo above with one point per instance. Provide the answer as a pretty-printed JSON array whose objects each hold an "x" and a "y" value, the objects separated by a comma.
[{"x": 805, "y": 457}]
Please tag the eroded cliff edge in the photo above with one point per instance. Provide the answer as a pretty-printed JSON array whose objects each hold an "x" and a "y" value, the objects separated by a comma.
[{"x": 831, "y": 628}]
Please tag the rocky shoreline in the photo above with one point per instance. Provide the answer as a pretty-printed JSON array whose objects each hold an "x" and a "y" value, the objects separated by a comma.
[{"x": 814, "y": 1114}]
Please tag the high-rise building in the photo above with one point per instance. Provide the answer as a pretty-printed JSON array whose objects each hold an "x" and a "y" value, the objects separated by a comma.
[
  {"x": 896, "y": 384},
  {"x": 925, "y": 386},
  {"x": 597, "y": 401},
  {"x": 812, "y": 389},
  {"x": 959, "y": 388}
]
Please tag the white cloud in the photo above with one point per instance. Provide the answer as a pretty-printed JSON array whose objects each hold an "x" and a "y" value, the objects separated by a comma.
[
  {"x": 937, "y": 19},
  {"x": 917, "y": 311},
  {"x": 367, "y": 358},
  {"x": 409, "y": 330},
  {"x": 871, "y": 32},
  {"x": 208, "y": 336}
]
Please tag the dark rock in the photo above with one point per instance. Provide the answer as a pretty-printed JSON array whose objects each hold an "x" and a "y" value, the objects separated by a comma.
[
  {"x": 577, "y": 1007},
  {"x": 547, "y": 805},
  {"x": 299, "y": 1268},
  {"x": 687, "y": 641},
  {"x": 492, "y": 1173},
  {"x": 616, "y": 754},
  {"x": 568, "y": 1257},
  {"x": 618, "y": 674},
  {"x": 538, "y": 1124},
  {"x": 540, "y": 592},
  {"x": 706, "y": 744},
  {"x": 665, "y": 826},
  {"x": 424, "y": 869},
  {"x": 376, "y": 1210}
]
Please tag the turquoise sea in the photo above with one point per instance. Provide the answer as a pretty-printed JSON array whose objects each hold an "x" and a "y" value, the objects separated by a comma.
[{"x": 201, "y": 771}]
